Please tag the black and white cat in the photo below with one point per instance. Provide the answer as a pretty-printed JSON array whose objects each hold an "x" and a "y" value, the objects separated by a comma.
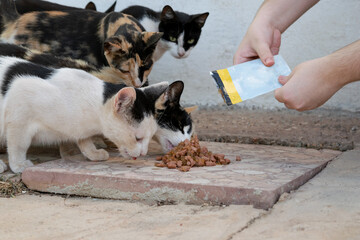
[
  {"x": 181, "y": 30},
  {"x": 43, "y": 105}
]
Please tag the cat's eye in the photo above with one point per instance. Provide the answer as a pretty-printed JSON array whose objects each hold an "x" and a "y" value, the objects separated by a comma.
[
  {"x": 191, "y": 41},
  {"x": 124, "y": 71},
  {"x": 139, "y": 139},
  {"x": 173, "y": 39}
]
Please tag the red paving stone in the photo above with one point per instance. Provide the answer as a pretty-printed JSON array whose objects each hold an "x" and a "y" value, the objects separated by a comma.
[{"x": 263, "y": 174}]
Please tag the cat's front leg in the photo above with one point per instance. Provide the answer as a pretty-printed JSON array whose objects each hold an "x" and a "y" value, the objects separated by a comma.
[
  {"x": 89, "y": 150},
  {"x": 18, "y": 142}
]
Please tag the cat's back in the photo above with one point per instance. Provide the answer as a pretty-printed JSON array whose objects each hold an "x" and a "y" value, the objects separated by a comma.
[
  {"x": 140, "y": 12},
  {"x": 147, "y": 17}
]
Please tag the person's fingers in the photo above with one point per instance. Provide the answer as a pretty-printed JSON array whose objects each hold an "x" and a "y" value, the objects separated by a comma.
[
  {"x": 283, "y": 79},
  {"x": 265, "y": 54},
  {"x": 275, "y": 47},
  {"x": 239, "y": 59}
]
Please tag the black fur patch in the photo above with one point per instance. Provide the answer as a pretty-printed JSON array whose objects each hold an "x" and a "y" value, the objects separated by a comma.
[
  {"x": 24, "y": 68},
  {"x": 12, "y": 50},
  {"x": 143, "y": 105},
  {"x": 139, "y": 12}
]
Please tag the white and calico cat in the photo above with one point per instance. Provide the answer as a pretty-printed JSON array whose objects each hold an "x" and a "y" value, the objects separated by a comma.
[
  {"x": 181, "y": 30},
  {"x": 43, "y": 105}
]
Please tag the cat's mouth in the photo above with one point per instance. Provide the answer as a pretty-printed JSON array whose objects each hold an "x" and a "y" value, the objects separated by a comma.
[
  {"x": 179, "y": 56},
  {"x": 169, "y": 145},
  {"x": 128, "y": 155}
]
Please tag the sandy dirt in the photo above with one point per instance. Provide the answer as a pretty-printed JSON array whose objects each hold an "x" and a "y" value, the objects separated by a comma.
[{"x": 313, "y": 129}]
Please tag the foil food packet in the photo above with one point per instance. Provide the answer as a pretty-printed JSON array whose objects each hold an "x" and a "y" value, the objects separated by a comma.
[{"x": 250, "y": 79}]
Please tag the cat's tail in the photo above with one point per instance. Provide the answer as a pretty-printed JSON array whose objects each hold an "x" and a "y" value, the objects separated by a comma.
[{"x": 8, "y": 11}]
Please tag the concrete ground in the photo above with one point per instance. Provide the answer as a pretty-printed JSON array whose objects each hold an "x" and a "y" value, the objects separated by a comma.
[{"x": 326, "y": 207}]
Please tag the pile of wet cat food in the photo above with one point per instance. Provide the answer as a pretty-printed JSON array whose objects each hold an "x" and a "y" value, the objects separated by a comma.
[{"x": 190, "y": 154}]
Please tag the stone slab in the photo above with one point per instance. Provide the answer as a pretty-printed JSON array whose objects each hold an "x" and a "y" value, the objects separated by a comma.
[{"x": 264, "y": 173}]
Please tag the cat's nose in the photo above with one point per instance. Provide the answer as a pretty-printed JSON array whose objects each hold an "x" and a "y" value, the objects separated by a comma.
[{"x": 181, "y": 52}]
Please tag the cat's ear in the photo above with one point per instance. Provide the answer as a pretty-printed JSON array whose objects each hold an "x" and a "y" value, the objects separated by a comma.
[
  {"x": 124, "y": 99},
  {"x": 174, "y": 91},
  {"x": 167, "y": 13},
  {"x": 90, "y": 6},
  {"x": 151, "y": 38},
  {"x": 111, "y": 8},
  {"x": 114, "y": 45},
  {"x": 171, "y": 96},
  {"x": 200, "y": 19}
]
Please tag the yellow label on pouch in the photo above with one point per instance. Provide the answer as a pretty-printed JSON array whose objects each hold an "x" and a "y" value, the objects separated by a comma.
[{"x": 229, "y": 86}]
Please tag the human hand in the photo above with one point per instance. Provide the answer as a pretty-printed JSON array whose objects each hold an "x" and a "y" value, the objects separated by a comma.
[
  {"x": 261, "y": 41},
  {"x": 309, "y": 85}
]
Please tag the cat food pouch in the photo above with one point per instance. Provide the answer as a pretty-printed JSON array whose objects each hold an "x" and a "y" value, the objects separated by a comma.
[{"x": 250, "y": 79}]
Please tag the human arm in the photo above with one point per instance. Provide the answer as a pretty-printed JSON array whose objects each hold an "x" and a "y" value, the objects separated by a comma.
[
  {"x": 263, "y": 37},
  {"x": 312, "y": 83}
]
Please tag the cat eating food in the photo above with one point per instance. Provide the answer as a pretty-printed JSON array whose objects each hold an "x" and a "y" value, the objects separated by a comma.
[
  {"x": 115, "y": 39},
  {"x": 42, "y": 105}
]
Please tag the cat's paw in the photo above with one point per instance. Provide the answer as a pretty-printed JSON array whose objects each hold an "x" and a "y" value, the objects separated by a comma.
[
  {"x": 20, "y": 167},
  {"x": 99, "y": 155},
  {"x": 3, "y": 166}
]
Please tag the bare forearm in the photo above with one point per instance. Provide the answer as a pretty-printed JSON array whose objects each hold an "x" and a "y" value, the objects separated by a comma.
[
  {"x": 345, "y": 63},
  {"x": 280, "y": 14}
]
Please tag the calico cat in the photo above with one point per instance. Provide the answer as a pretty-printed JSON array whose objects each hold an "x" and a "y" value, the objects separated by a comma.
[
  {"x": 174, "y": 122},
  {"x": 115, "y": 39},
  {"x": 181, "y": 31},
  {"x": 44, "y": 105}
]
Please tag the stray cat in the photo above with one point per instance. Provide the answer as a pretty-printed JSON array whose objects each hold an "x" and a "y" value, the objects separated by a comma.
[
  {"x": 115, "y": 39},
  {"x": 174, "y": 122},
  {"x": 181, "y": 31},
  {"x": 45, "y": 106}
]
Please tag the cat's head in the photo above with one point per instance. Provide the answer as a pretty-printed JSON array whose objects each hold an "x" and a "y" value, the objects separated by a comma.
[
  {"x": 129, "y": 120},
  {"x": 174, "y": 122},
  {"x": 181, "y": 31},
  {"x": 131, "y": 54}
]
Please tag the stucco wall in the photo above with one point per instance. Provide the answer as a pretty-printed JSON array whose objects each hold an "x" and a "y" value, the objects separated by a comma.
[{"x": 328, "y": 26}]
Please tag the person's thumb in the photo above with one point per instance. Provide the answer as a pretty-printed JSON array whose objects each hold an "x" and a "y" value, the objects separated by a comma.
[{"x": 265, "y": 55}]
